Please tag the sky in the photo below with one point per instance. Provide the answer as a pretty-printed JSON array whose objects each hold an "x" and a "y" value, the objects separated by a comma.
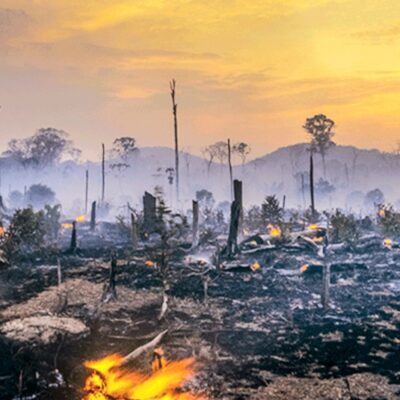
[{"x": 250, "y": 71}]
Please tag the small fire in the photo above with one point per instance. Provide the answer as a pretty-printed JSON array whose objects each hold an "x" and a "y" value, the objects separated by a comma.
[
  {"x": 2, "y": 231},
  {"x": 388, "y": 243},
  {"x": 304, "y": 268},
  {"x": 150, "y": 264},
  {"x": 313, "y": 227},
  {"x": 67, "y": 225},
  {"x": 274, "y": 231},
  {"x": 255, "y": 266},
  {"x": 382, "y": 213},
  {"x": 109, "y": 380},
  {"x": 81, "y": 218}
]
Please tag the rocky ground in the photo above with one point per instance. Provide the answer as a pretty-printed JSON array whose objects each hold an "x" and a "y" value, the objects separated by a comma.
[{"x": 262, "y": 334}]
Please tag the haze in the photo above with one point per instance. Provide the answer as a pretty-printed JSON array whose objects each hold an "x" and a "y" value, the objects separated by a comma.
[{"x": 250, "y": 71}]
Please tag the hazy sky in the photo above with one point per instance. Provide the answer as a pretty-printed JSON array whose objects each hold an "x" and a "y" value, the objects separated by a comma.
[{"x": 250, "y": 70}]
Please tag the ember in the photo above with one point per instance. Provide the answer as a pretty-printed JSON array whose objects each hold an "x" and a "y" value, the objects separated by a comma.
[
  {"x": 67, "y": 225},
  {"x": 2, "y": 231},
  {"x": 274, "y": 231},
  {"x": 388, "y": 243},
  {"x": 110, "y": 380},
  {"x": 255, "y": 266},
  {"x": 81, "y": 218}
]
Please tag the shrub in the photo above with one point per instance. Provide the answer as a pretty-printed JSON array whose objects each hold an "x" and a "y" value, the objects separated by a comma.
[{"x": 344, "y": 228}]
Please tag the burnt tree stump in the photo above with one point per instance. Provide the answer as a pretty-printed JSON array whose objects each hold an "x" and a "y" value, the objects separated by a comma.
[
  {"x": 110, "y": 291},
  {"x": 93, "y": 217},
  {"x": 134, "y": 231},
  {"x": 149, "y": 212},
  {"x": 73, "y": 245},
  {"x": 236, "y": 213}
]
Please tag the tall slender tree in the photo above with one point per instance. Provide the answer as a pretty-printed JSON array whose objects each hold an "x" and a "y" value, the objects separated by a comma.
[
  {"x": 103, "y": 173},
  {"x": 174, "y": 112}
]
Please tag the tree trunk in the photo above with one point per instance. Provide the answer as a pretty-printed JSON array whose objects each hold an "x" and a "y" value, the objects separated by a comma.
[
  {"x": 312, "y": 185},
  {"x": 326, "y": 285},
  {"x": 134, "y": 231},
  {"x": 174, "y": 112},
  {"x": 59, "y": 272},
  {"x": 73, "y": 244},
  {"x": 230, "y": 168},
  {"x": 93, "y": 217},
  {"x": 149, "y": 212},
  {"x": 236, "y": 211},
  {"x": 195, "y": 224},
  {"x": 110, "y": 292}
]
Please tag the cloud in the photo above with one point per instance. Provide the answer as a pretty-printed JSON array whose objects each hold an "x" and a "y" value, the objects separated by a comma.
[{"x": 383, "y": 34}]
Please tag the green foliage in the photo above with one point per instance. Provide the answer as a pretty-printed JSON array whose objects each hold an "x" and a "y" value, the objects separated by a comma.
[
  {"x": 389, "y": 220},
  {"x": 26, "y": 233},
  {"x": 271, "y": 211},
  {"x": 343, "y": 228}
]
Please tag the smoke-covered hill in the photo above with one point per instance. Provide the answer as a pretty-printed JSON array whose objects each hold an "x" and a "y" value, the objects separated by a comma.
[{"x": 350, "y": 174}]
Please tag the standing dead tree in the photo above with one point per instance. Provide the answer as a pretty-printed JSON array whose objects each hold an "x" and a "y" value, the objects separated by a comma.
[
  {"x": 174, "y": 112},
  {"x": 110, "y": 291},
  {"x": 230, "y": 168},
  {"x": 149, "y": 212},
  {"x": 73, "y": 243},
  {"x": 93, "y": 217},
  {"x": 312, "y": 185},
  {"x": 195, "y": 224},
  {"x": 236, "y": 211},
  {"x": 134, "y": 231}
]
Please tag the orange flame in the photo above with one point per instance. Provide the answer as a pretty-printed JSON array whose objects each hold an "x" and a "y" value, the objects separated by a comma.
[
  {"x": 67, "y": 225},
  {"x": 110, "y": 380},
  {"x": 81, "y": 218},
  {"x": 304, "y": 268},
  {"x": 313, "y": 227},
  {"x": 150, "y": 264},
  {"x": 388, "y": 243},
  {"x": 274, "y": 231},
  {"x": 255, "y": 266},
  {"x": 382, "y": 213},
  {"x": 2, "y": 231}
]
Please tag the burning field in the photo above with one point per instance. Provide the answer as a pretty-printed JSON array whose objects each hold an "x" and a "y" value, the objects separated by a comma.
[{"x": 286, "y": 316}]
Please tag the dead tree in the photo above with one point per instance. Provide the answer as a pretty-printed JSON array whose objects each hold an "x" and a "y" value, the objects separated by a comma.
[
  {"x": 110, "y": 291},
  {"x": 236, "y": 210},
  {"x": 86, "y": 191},
  {"x": 312, "y": 184},
  {"x": 93, "y": 217},
  {"x": 149, "y": 211},
  {"x": 195, "y": 224},
  {"x": 73, "y": 244},
  {"x": 103, "y": 173},
  {"x": 174, "y": 112},
  {"x": 284, "y": 202},
  {"x": 134, "y": 231},
  {"x": 230, "y": 168}
]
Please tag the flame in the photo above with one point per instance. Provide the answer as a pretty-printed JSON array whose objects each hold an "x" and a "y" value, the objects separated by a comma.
[
  {"x": 67, "y": 225},
  {"x": 255, "y": 266},
  {"x": 159, "y": 360},
  {"x": 274, "y": 231},
  {"x": 109, "y": 380},
  {"x": 313, "y": 227},
  {"x": 81, "y": 218},
  {"x": 388, "y": 243},
  {"x": 304, "y": 268},
  {"x": 382, "y": 213},
  {"x": 150, "y": 264},
  {"x": 318, "y": 239},
  {"x": 2, "y": 231}
]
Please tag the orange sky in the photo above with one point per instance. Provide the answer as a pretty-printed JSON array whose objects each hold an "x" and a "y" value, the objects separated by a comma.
[{"x": 248, "y": 70}]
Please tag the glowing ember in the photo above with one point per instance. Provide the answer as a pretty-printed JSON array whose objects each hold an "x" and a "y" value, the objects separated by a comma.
[
  {"x": 2, "y": 231},
  {"x": 388, "y": 243},
  {"x": 274, "y": 231},
  {"x": 81, "y": 218},
  {"x": 255, "y": 266},
  {"x": 313, "y": 227},
  {"x": 304, "y": 268},
  {"x": 150, "y": 264},
  {"x": 382, "y": 213},
  {"x": 67, "y": 225},
  {"x": 109, "y": 380}
]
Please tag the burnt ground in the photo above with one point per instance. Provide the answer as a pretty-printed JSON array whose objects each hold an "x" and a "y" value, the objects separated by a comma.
[{"x": 262, "y": 334}]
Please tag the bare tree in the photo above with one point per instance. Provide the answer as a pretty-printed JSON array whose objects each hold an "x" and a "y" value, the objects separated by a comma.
[
  {"x": 174, "y": 112},
  {"x": 320, "y": 127},
  {"x": 209, "y": 154}
]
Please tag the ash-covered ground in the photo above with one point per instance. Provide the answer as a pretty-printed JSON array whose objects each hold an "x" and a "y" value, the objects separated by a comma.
[{"x": 260, "y": 333}]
